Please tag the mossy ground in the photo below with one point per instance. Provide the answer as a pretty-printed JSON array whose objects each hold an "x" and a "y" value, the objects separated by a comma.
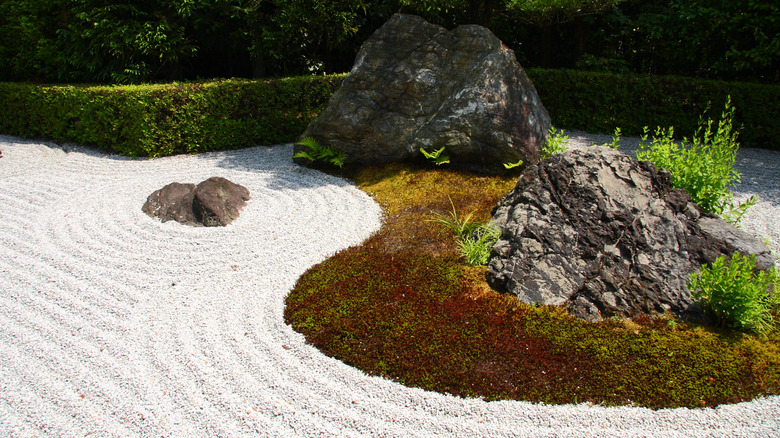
[{"x": 404, "y": 305}]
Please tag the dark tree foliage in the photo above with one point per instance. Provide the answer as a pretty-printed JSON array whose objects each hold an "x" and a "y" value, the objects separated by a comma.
[
  {"x": 28, "y": 38},
  {"x": 725, "y": 39},
  {"x": 124, "y": 41},
  {"x": 295, "y": 36},
  {"x": 484, "y": 12},
  {"x": 127, "y": 41}
]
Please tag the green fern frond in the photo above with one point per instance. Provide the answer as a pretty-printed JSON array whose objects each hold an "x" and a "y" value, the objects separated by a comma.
[
  {"x": 436, "y": 156},
  {"x": 319, "y": 152},
  {"x": 304, "y": 154},
  {"x": 310, "y": 143},
  {"x": 513, "y": 165},
  {"x": 338, "y": 160}
]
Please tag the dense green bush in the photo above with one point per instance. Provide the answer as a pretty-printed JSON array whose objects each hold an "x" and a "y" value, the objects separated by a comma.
[
  {"x": 736, "y": 294},
  {"x": 166, "y": 119},
  {"x": 600, "y": 102},
  {"x": 156, "y": 120},
  {"x": 703, "y": 166}
]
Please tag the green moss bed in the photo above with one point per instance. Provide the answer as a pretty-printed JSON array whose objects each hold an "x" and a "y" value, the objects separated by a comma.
[{"x": 404, "y": 305}]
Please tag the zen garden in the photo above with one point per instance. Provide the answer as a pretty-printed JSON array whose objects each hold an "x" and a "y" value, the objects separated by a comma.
[{"x": 575, "y": 201}]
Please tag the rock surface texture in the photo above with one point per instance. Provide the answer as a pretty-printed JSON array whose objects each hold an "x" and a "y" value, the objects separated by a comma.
[
  {"x": 415, "y": 84},
  {"x": 213, "y": 203},
  {"x": 605, "y": 235}
]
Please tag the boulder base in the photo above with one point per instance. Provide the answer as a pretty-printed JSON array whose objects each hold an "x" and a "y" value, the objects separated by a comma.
[
  {"x": 605, "y": 235},
  {"x": 214, "y": 202},
  {"x": 416, "y": 85}
]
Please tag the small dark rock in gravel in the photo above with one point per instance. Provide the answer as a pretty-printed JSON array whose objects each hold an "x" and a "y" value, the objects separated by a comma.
[{"x": 214, "y": 202}]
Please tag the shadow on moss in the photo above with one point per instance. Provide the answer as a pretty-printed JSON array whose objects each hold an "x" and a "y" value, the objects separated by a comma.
[{"x": 405, "y": 306}]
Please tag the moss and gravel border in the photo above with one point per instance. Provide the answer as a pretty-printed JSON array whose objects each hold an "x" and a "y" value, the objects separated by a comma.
[{"x": 405, "y": 306}]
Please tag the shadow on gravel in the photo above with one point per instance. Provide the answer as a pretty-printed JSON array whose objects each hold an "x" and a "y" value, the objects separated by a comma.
[
  {"x": 276, "y": 161},
  {"x": 760, "y": 169}
]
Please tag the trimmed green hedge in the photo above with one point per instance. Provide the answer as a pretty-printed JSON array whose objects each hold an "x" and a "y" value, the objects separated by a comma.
[
  {"x": 166, "y": 119},
  {"x": 600, "y": 102},
  {"x": 158, "y": 120}
]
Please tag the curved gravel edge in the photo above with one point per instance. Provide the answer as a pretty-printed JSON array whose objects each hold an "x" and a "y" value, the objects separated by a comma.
[{"x": 114, "y": 324}]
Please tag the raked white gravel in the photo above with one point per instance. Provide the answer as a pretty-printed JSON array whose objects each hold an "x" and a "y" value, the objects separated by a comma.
[{"x": 114, "y": 324}]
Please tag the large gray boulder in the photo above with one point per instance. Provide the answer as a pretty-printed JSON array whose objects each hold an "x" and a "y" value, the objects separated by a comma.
[
  {"x": 214, "y": 202},
  {"x": 415, "y": 84},
  {"x": 605, "y": 235}
]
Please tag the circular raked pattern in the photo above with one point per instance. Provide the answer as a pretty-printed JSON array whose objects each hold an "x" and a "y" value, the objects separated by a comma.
[{"x": 115, "y": 324}]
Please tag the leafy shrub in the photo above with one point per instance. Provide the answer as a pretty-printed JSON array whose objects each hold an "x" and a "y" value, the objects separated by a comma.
[
  {"x": 736, "y": 294},
  {"x": 703, "y": 168},
  {"x": 615, "y": 139},
  {"x": 556, "y": 142},
  {"x": 155, "y": 120}
]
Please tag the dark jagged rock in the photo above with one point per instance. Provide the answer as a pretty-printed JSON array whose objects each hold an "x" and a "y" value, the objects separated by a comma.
[
  {"x": 605, "y": 235},
  {"x": 214, "y": 202},
  {"x": 415, "y": 84}
]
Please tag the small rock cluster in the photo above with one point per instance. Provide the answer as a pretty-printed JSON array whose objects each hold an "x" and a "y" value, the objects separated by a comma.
[
  {"x": 605, "y": 235},
  {"x": 212, "y": 203}
]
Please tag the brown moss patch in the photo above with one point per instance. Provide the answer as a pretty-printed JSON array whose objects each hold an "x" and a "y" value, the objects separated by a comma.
[{"x": 405, "y": 306}]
